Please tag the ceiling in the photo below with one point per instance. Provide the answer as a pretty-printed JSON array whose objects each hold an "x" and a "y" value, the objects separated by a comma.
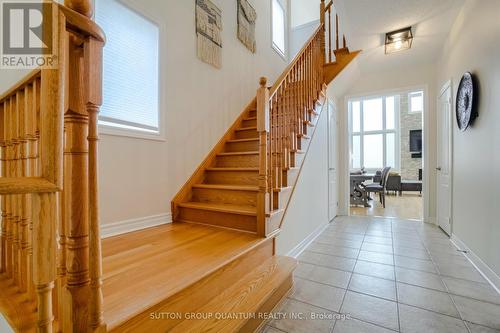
[{"x": 366, "y": 21}]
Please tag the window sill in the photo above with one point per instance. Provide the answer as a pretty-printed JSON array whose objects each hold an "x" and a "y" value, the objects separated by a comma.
[
  {"x": 280, "y": 53},
  {"x": 129, "y": 133}
]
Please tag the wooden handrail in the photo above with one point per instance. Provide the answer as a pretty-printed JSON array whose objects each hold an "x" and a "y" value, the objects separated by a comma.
[
  {"x": 287, "y": 70},
  {"x": 27, "y": 79}
]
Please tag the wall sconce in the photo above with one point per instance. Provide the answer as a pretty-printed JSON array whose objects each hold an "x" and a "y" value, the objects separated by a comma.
[{"x": 398, "y": 40}]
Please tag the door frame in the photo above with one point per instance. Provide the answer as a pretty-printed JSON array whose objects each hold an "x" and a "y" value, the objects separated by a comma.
[
  {"x": 333, "y": 107},
  {"x": 447, "y": 85},
  {"x": 343, "y": 174}
]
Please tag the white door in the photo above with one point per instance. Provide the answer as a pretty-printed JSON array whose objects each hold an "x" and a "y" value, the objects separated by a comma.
[
  {"x": 444, "y": 153},
  {"x": 332, "y": 162}
]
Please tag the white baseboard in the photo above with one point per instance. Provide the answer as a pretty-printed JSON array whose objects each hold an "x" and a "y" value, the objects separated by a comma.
[
  {"x": 297, "y": 250},
  {"x": 480, "y": 265},
  {"x": 123, "y": 227}
]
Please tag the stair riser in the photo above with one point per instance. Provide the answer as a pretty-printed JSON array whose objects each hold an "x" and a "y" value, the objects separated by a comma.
[
  {"x": 252, "y": 325},
  {"x": 244, "y": 198},
  {"x": 242, "y": 146},
  {"x": 238, "y": 161},
  {"x": 249, "y": 123},
  {"x": 232, "y": 177},
  {"x": 198, "y": 294},
  {"x": 220, "y": 219},
  {"x": 252, "y": 113},
  {"x": 247, "y": 134}
]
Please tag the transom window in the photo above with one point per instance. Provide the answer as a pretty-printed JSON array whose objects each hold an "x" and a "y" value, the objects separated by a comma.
[
  {"x": 131, "y": 69},
  {"x": 279, "y": 26},
  {"x": 416, "y": 101},
  {"x": 374, "y": 132}
]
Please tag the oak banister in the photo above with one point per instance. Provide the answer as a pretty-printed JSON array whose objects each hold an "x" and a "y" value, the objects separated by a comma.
[{"x": 280, "y": 79}]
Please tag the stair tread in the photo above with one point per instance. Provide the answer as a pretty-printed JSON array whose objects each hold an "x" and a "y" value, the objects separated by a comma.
[
  {"x": 247, "y": 128},
  {"x": 225, "y": 208},
  {"x": 250, "y": 118},
  {"x": 235, "y": 153},
  {"x": 227, "y": 187},
  {"x": 243, "y": 140},
  {"x": 146, "y": 267},
  {"x": 232, "y": 169},
  {"x": 245, "y": 296}
]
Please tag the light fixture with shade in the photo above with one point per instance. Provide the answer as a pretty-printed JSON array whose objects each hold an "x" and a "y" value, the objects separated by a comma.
[{"x": 398, "y": 40}]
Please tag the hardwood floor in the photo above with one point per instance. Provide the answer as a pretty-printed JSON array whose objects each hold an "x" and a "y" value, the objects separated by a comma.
[
  {"x": 408, "y": 206},
  {"x": 181, "y": 267}
]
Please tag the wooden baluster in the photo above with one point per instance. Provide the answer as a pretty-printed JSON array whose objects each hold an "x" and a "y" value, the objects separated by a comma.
[
  {"x": 34, "y": 170},
  {"x": 8, "y": 198},
  {"x": 330, "y": 52},
  {"x": 336, "y": 31},
  {"x": 76, "y": 194},
  {"x": 24, "y": 105},
  {"x": 45, "y": 206},
  {"x": 263, "y": 129},
  {"x": 16, "y": 248},
  {"x": 3, "y": 159},
  {"x": 93, "y": 79},
  {"x": 32, "y": 107},
  {"x": 322, "y": 15}
]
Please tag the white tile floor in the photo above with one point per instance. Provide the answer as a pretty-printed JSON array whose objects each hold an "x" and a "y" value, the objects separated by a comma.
[{"x": 386, "y": 275}]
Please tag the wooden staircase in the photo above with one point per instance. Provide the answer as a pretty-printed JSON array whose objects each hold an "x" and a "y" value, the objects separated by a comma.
[{"x": 215, "y": 268}]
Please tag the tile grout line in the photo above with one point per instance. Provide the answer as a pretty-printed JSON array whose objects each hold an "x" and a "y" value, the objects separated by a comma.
[
  {"x": 350, "y": 279},
  {"x": 395, "y": 279},
  {"x": 446, "y": 286}
]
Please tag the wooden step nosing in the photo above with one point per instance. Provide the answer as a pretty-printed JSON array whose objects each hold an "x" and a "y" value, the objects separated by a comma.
[
  {"x": 232, "y": 169},
  {"x": 224, "y": 187},
  {"x": 237, "y": 153},
  {"x": 252, "y": 128},
  {"x": 242, "y": 140}
]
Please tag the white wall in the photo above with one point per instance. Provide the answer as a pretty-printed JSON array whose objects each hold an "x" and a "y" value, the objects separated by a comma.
[
  {"x": 304, "y": 11},
  {"x": 354, "y": 83},
  {"x": 308, "y": 208},
  {"x": 139, "y": 177},
  {"x": 299, "y": 36},
  {"x": 473, "y": 45}
]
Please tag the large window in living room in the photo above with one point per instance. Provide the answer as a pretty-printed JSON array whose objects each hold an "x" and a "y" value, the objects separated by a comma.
[{"x": 374, "y": 132}]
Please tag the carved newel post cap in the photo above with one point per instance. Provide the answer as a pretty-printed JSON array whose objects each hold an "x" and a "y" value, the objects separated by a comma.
[
  {"x": 263, "y": 81},
  {"x": 84, "y": 7}
]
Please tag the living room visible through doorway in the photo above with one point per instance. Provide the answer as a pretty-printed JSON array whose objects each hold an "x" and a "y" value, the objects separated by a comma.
[{"x": 385, "y": 154}]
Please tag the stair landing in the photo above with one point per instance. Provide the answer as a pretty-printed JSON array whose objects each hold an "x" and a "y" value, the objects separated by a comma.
[{"x": 144, "y": 268}]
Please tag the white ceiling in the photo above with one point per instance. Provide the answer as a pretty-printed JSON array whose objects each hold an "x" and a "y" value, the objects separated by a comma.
[{"x": 367, "y": 21}]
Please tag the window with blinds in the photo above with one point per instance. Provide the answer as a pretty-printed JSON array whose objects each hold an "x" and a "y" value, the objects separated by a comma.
[
  {"x": 131, "y": 68},
  {"x": 278, "y": 26}
]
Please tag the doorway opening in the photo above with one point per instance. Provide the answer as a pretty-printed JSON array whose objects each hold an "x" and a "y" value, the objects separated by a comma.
[{"x": 386, "y": 154}]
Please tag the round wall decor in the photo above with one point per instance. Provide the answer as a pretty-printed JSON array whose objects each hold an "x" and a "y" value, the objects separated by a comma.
[{"x": 466, "y": 110}]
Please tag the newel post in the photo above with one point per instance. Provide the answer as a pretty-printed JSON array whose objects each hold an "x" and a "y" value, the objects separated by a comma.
[
  {"x": 263, "y": 129},
  {"x": 322, "y": 15}
]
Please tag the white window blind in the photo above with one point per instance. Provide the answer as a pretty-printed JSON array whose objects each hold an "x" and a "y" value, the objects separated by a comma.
[
  {"x": 278, "y": 24},
  {"x": 131, "y": 68}
]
